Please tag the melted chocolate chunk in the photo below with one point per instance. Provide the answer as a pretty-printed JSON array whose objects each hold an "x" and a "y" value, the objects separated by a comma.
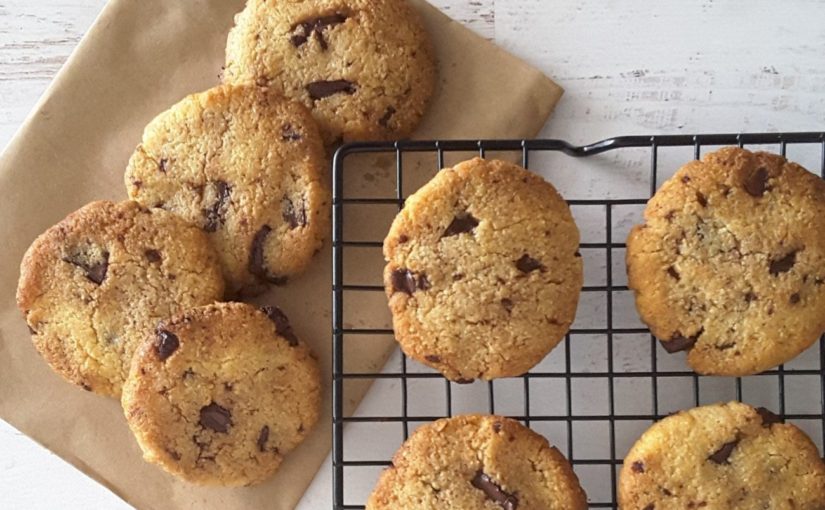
[
  {"x": 216, "y": 214},
  {"x": 768, "y": 418},
  {"x": 638, "y": 467},
  {"x": 750, "y": 296},
  {"x": 782, "y": 265},
  {"x": 756, "y": 183},
  {"x": 282, "y": 325},
  {"x": 152, "y": 256},
  {"x": 461, "y": 224},
  {"x": 491, "y": 489},
  {"x": 403, "y": 239},
  {"x": 290, "y": 134},
  {"x": 321, "y": 89},
  {"x": 385, "y": 119},
  {"x": 673, "y": 273},
  {"x": 94, "y": 272},
  {"x": 302, "y": 31},
  {"x": 721, "y": 455},
  {"x": 527, "y": 264},
  {"x": 679, "y": 342},
  {"x": 263, "y": 437},
  {"x": 295, "y": 216},
  {"x": 257, "y": 260},
  {"x": 166, "y": 344},
  {"x": 432, "y": 358},
  {"x": 215, "y": 417},
  {"x": 404, "y": 280},
  {"x": 703, "y": 201}
]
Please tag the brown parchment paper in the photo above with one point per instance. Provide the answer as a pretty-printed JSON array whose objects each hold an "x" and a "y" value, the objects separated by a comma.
[{"x": 140, "y": 57}]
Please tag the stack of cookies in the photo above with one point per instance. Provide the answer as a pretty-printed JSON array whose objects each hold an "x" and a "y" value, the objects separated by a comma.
[{"x": 229, "y": 193}]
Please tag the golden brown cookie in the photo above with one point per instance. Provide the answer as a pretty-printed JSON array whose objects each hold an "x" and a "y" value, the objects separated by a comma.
[
  {"x": 730, "y": 262},
  {"x": 483, "y": 273},
  {"x": 219, "y": 394},
  {"x": 95, "y": 283},
  {"x": 247, "y": 166},
  {"x": 474, "y": 461},
  {"x": 725, "y": 456},
  {"x": 364, "y": 67}
]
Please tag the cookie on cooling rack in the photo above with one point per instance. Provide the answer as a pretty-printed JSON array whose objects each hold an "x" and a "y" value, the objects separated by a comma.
[
  {"x": 483, "y": 273},
  {"x": 219, "y": 394},
  {"x": 364, "y": 67},
  {"x": 92, "y": 285},
  {"x": 246, "y": 166},
  {"x": 730, "y": 262},
  {"x": 478, "y": 462},
  {"x": 722, "y": 456}
]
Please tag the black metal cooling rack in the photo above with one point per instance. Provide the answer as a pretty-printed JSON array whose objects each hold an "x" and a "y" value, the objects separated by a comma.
[{"x": 600, "y": 469}]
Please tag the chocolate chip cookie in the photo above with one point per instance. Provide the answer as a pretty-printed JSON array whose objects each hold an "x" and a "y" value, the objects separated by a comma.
[
  {"x": 92, "y": 285},
  {"x": 247, "y": 167},
  {"x": 728, "y": 456},
  {"x": 478, "y": 461},
  {"x": 483, "y": 273},
  {"x": 364, "y": 67},
  {"x": 219, "y": 394},
  {"x": 730, "y": 262}
]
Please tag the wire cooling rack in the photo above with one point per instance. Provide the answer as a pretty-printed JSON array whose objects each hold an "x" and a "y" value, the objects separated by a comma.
[{"x": 605, "y": 383}]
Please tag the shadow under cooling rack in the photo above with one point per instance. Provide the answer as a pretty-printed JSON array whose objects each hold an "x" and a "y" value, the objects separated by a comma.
[{"x": 605, "y": 383}]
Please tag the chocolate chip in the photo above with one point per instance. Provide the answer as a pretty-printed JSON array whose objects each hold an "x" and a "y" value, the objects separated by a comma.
[
  {"x": 726, "y": 346},
  {"x": 507, "y": 304},
  {"x": 721, "y": 455},
  {"x": 94, "y": 272},
  {"x": 756, "y": 183},
  {"x": 679, "y": 342},
  {"x": 768, "y": 418},
  {"x": 461, "y": 224},
  {"x": 188, "y": 373},
  {"x": 750, "y": 296},
  {"x": 432, "y": 358},
  {"x": 215, "y": 417},
  {"x": 282, "y": 325},
  {"x": 650, "y": 507},
  {"x": 782, "y": 265},
  {"x": 152, "y": 256},
  {"x": 703, "y": 201},
  {"x": 794, "y": 299},
  {"x": 303, "y": 30},
  {"x": 85, "y": 386},
  {"x": 496, "y": 426},
  {"x": 31, "y": 330},
  {"x": 263, "y": 437},
  {"x": 638, "y": 467},
  {"x": 257, "y": 260},
  {"x": 290, "y": 134},
  {"x": 464, "y": 381},
  {"x": 321, "y": 89},
  {"x": 166, "y": 344},
  {"x": 686, "y": 179},
  {"x": 527, "y": 264},
  {"x": 163, "y": 164},
  {"x": 294, "y": 216},
  {"x": 403, "y": 239},
  {"x": 404, "y": 280},
  {"x": 216, "y": 213},
  {"x": 493, "y": 491},
  {"x": 385, "y": 119},
  {"x": 673, "y": 273}
]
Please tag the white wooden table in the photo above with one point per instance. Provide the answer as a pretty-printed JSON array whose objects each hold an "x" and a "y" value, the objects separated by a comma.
[{"x": 629, "y": 67}]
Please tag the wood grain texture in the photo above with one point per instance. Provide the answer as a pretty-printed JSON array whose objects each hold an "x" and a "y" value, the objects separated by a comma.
[{"x": 628, "y": 67}]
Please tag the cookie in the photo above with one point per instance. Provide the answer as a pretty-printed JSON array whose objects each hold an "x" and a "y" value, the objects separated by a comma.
[
  {"x": 219, "y": 394},
  {"x": 728, "y": 456},
  {"x": 483, "y": 273},
  {"x": 364, "y": 67},
  {"x": 92, "y": 285},
  {"x": 477, "y": 461},
  {"x": 246, "y": 166},
  {"x": 730, "y": 262}
]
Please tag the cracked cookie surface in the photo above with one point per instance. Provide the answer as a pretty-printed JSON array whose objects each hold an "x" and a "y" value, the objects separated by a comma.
[
  {"x": 483, "y": 273},
  {"x": 246, "y": 166},
  {"x": 728, "y": 456},
  {"x": 219, "y": 394},
  {"x": 475, "y": 461},
  {"x": 730, "y": 262},
  {"x": 95, "y": 283},
  {"x": 364, "y": 67}
]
